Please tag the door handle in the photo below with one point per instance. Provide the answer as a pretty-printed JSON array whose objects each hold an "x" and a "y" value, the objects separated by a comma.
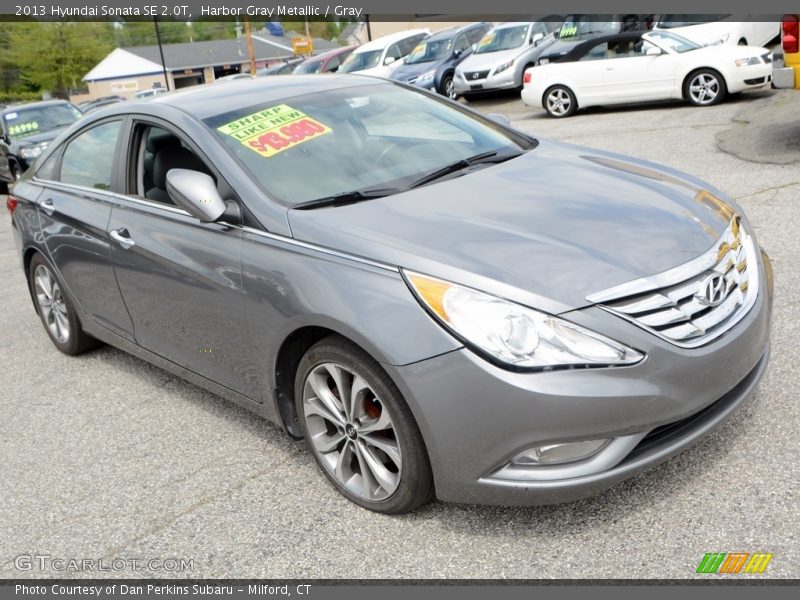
[
  {"x": 48, "y": 206},
  {"x": 122, "y": 237}
]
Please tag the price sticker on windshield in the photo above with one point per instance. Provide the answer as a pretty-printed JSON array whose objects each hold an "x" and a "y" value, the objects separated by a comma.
[
  {"x": 486, "y": 40},
  {"x": 273, "y": 130},
  {"x": 23, "y": 129}
]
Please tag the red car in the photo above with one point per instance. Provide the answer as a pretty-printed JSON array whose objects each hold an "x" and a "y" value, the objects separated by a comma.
[{"x": 327, "y": 62}]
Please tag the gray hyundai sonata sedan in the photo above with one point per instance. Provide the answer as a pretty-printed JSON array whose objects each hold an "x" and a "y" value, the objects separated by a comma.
[{"x": 438, "y": 304}]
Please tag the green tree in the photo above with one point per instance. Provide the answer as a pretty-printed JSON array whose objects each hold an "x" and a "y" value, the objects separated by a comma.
[
  {"x": 55, "y": 56},
  {"x": 9, "y": 72}
]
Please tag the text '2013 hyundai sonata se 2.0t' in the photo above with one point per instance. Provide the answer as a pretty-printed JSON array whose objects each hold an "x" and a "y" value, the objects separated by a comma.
[{"x": 438, "y": 304}]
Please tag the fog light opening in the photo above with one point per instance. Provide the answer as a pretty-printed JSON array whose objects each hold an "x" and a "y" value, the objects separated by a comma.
[{"x": 558, "y": 454}]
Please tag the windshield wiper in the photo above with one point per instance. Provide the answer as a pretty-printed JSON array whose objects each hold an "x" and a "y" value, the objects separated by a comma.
[
  {"x": 462, "y": 164},
  {"x": 347, "y": 198}
]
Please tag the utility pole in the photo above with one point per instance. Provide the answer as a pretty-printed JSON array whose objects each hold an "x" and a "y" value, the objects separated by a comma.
[
  {"x": 161, "y": 52},
  {"x": 250, "y": 52},
  {"x": 308, "y": 35}
]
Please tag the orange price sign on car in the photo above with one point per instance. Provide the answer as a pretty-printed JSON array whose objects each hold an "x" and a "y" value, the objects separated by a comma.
[{"x": 274, "y": 129}]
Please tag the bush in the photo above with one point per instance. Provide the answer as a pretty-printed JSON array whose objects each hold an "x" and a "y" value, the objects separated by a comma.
[{"x": 11, "y": 97}]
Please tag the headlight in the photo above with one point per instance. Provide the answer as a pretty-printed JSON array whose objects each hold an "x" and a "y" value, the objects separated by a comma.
[
  {"x": 503, "y": 67},
  {"x": 426, "y": 76},
  {"x": 743, "y": 62},
  {"x": 514, "y": 334},
  {"x": 32, "y": 152}
]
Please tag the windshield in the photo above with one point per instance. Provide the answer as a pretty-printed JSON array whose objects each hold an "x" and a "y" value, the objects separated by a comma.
[
  {"x": 30, "y": 121},
  {"x": 586, "y": 25},
  {"x": 673, "y": 41},
  {"x": 673, "y": 21},
  {"x": 502, "y": 39},
  {"x": 366, "y": 137},
  {"x": 358, "y": 61},
  {"x": 429, "y": 51},
  {"x": 312, "y": 66}
]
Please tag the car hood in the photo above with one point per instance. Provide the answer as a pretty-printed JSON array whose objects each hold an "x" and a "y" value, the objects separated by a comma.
[
  {"x": 405, "y": 71},
  {"x": 546, "y": 229},
  {"x": 32, "y": 140},
  {"x": 479, "y": 62},
  {"x": 726, "y": 52}
]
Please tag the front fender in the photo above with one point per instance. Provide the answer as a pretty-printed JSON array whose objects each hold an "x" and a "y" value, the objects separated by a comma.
[{"x": 289, "y": 285}]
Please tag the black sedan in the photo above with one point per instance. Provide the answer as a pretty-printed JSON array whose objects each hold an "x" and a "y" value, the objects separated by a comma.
[{"x": 26, "y": 130}]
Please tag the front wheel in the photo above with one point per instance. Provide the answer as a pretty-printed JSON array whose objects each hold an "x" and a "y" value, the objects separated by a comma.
[
  {"x": 449, "y": 88},
  {"x": 705, "y": 87},
  {"x": 560, "y": 102},
  {"x": 360, "y": 430}
]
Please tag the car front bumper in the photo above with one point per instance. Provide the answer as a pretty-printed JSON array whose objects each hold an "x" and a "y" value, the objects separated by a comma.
[
  {"x": 750, "y": 77},
  {"x": 475, "y": 416},
  {"x": 502, "y": 81}
]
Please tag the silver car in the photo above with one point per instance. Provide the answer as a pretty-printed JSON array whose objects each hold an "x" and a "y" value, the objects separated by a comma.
[
  {"x": 502, "y": 55},
  {"x": 438, "y": 304}
]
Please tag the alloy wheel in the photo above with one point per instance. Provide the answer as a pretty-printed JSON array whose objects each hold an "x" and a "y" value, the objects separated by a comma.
[
  {"x": 559, "y": 102},
  {"x": 450, "y": 89},
  {"x": 352, "y": 432},
  {"x": 704, "y": 88},
  {"x": 51, "y": 304}
]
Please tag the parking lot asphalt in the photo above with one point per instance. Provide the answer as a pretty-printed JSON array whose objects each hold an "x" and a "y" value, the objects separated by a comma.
[{"x": 105, "y": 456}]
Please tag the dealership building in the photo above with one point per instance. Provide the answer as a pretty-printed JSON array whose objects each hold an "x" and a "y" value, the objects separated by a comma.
[{"x": 126, "y": 71}]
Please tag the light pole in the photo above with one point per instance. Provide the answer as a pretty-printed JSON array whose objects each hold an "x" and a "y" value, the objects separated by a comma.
[{"x": 161, "y": 52}]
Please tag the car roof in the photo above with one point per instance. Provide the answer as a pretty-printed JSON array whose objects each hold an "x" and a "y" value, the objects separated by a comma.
[
  {"x": 453, "y": 31},
  {"x": 205, "y": 101},
  {"x": 384, "y": 41},
  {"x": 581, "y": 47},
  {"x": 508, "y": 24},
  {"x": 26, "y": 105},
  {"x": 329, "y": 53}
]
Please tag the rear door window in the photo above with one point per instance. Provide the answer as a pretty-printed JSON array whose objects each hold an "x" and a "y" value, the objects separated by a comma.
[{"x": 88, "y": 159}]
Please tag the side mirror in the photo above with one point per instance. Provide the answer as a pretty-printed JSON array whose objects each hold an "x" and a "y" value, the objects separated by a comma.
[
  {"x": 652, "y": 51},
  {"x": 196, "y": 193},
  {"x": 537, "y": 37},
  {"x": 499, "y": 118},
  {"x": 389, "y": 60}
]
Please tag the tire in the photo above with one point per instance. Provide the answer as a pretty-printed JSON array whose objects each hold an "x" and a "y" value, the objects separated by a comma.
[
  {"x": 559, "y": 102},
  {"x": 704, "y": 87},
  {"x": 377, "y": 436},
  {"x": 742, "y": 42},
  {"x": 56, "y": 309},
  {"x": 447, "y": 88}
]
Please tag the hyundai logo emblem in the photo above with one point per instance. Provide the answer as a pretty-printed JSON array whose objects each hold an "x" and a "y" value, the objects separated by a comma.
[{"x": 713, "y": 290}]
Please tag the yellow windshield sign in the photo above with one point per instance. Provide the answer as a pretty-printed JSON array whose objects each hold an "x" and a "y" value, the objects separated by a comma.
[
  {"x": 486, "y": 40},
  {"x": 275, "y": 129}
]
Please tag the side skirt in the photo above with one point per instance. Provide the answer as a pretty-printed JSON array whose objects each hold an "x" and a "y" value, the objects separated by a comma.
[{"x": 265, "y": 410}]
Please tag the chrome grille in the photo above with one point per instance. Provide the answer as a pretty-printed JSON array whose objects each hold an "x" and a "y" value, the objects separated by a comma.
[{"x": 696, "y": 302}]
